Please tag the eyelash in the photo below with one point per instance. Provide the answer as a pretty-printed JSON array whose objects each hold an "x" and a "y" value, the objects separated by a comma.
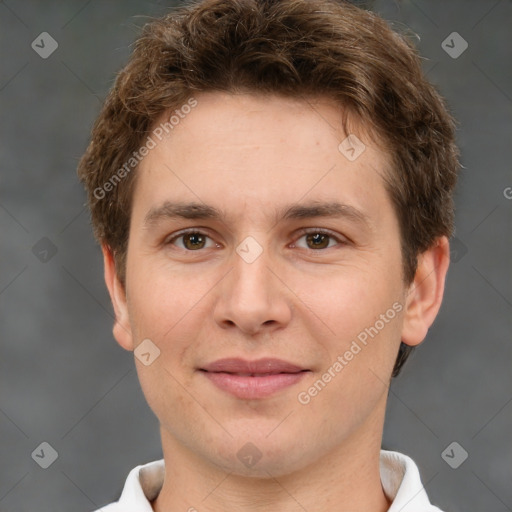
[{"x": 304, "y": 232}]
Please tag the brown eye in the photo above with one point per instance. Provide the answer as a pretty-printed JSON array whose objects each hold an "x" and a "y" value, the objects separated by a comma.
[
  {"x": 316, "y": 239},
  {"x": 193, "y": 241}
]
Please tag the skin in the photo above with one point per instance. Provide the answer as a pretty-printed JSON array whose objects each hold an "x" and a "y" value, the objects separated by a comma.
[{"x": 250, "y": 157}]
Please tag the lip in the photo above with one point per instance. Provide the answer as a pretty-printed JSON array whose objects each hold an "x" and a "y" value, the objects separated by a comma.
[{"x": 253, "y": 379}]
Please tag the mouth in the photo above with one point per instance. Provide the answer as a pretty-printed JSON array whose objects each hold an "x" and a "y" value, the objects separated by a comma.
[{"x": 253, "y": 379}]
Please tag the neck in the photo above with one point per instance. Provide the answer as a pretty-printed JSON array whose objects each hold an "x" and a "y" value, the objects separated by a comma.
[{"x": 346, "y": 479}]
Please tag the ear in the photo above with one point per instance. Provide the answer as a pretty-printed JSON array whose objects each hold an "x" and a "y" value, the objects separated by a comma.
[
  {"x": 122, "y": 329},
  {"x": 426, "y": 292}
]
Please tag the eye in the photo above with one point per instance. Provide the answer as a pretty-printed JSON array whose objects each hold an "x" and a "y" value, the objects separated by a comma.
[
  {"x": 191, "y": 240},
  {"x": 316, "y": 239}
]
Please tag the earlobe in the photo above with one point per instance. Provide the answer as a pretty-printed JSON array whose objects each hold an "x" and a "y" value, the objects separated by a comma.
[
  {"x": 122, "y": 330},
  {"x": 426, "y": 292}
]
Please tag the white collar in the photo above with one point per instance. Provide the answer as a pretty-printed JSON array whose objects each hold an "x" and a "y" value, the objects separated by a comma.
[
  {"x": 401, "y": 482},
  {"x": 399, "y": 476}
]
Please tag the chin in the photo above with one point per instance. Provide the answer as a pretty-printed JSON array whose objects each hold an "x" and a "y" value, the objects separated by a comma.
[{"x": 263, "y": 456}]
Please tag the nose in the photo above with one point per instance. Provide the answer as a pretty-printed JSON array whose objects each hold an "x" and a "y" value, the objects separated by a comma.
[{"x": 252, "y": 297}]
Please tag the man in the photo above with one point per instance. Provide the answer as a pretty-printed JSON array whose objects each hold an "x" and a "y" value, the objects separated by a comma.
[{"x": 271, "y": 184}]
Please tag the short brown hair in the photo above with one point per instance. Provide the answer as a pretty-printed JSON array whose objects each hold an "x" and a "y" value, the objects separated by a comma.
[{"x": 293, "y": 48}]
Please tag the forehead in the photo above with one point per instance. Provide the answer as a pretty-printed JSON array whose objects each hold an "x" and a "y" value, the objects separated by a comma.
[
  {"x": 253, "y": 150},
  {"x": 217, "y": 114}
]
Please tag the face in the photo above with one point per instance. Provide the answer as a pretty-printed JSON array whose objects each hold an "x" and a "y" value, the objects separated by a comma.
[{"x": 264, "y": 263}]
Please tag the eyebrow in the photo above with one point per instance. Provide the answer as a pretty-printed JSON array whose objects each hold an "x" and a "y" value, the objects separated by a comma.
[{"x": 193, "y": 210}]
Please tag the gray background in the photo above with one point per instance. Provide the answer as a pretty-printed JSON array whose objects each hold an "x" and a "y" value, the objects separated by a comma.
[{"x": 65, "y": 381}]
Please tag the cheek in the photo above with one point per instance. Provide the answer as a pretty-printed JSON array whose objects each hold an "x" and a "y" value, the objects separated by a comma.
[
  {"x": 160, "y": 298},
  {"x": 174, "y": 311},
  {"x": 346, "y": 300},
  {"x": 358, "y": 313}
]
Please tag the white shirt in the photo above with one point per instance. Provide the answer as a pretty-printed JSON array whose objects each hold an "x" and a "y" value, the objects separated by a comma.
[{"x": 398, "y": 473}]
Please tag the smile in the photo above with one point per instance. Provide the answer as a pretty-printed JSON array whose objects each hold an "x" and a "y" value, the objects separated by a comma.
[{"x": 253, "y": 379}]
